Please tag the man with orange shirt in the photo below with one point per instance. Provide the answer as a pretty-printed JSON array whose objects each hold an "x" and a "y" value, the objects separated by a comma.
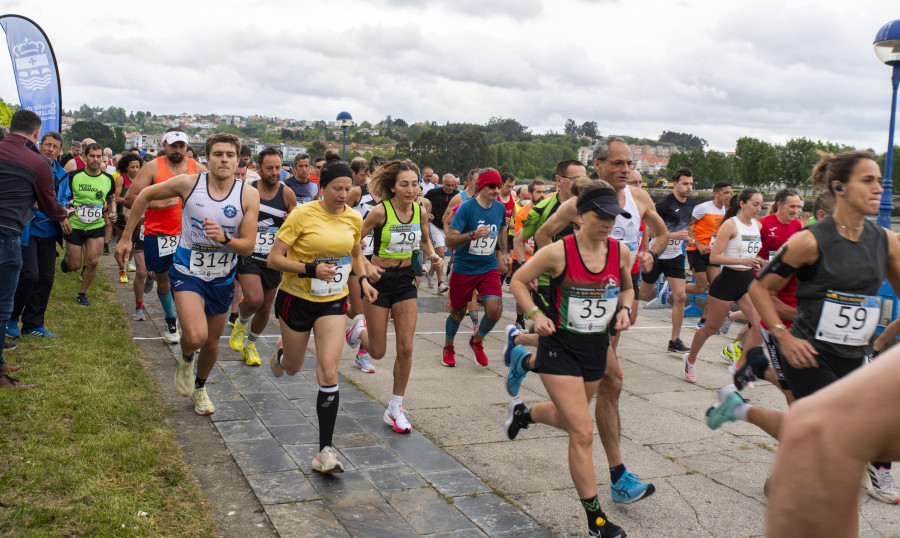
[
  {"x": 705, "y": 221},
  {"x": 536, "y": 190},
  {"x": 162, "y": 220}
]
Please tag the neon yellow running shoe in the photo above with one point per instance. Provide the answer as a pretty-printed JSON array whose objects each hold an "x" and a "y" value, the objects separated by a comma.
[
  {"x": 238, "y": 332},
  {"x": 251, "y": 356}
]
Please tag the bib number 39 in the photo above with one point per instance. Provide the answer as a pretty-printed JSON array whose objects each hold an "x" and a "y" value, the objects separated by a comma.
[{"x": 848, "y": 319}]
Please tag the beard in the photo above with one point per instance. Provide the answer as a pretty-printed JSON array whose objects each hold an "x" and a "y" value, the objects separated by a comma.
[{"x": 175, "y": 157}]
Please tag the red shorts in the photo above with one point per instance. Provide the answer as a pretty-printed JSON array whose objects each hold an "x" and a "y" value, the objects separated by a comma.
[{"x": 462, "y": 286}]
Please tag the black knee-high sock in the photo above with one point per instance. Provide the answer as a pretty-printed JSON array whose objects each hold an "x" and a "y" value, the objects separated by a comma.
[
  {"x": 596, "y": 517},
  {"x": 327, "y": 409}
]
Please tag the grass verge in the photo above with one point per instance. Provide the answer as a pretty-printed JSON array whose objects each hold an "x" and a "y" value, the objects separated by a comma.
[{"x": 90, "y": 451}]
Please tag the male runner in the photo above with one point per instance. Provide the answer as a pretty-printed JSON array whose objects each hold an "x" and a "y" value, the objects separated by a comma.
[
  {"x": 78, "y": 160},
  {"x": 508, "y": 200},
  {"x": 675, "y": 210},
  {"x": 162, "y": 221},
  {"x": 705, "y": 221},
  {"x": 440, "y": 200},
  {"x": 218, "y": 223},
  {"x": 533, "y": 193},
  {"x": 305, "y": 190},
  {"x": 92, "y": 193},
  {"x": 258, "y": 282},
  {"x": 478, "y": 233}
]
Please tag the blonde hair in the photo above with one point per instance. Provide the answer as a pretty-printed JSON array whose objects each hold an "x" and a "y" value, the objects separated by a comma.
[{"x": 385, "y": 176}]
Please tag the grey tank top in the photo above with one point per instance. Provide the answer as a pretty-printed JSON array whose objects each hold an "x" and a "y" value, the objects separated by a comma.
[{"x": 857, "y": 267}]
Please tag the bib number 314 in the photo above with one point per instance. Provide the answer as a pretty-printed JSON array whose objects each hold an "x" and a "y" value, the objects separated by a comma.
[{"x": 848, "y": 319}]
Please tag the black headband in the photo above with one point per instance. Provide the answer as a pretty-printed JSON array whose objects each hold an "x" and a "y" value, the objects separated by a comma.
[{"x": 333, "y": 170}]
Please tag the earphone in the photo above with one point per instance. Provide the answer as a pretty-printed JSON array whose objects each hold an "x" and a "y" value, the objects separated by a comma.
[{"x": 838, "y": 187}]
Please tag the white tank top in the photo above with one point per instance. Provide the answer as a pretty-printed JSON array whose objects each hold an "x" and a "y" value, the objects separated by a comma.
[
  {"x": 197, "y": 255},
  {"x": 745, "y": 244},
  {"x": 628, "y": 231}
]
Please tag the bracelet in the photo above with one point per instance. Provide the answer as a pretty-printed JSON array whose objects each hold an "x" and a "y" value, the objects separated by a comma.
[
  {"x": 626, "y": 308},
  {"x": 532, "y": 312},
  {"x": 310, "y": 270},
  {"x": 363, "y": 277},
  {"x": 472, "y": 236}
]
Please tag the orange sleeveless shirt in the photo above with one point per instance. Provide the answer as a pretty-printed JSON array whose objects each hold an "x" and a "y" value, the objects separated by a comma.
[{"x": 166, "y": 221}]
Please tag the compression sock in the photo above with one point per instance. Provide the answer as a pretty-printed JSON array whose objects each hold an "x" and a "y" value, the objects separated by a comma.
[
  {"x": 615, "y": 473},
  {"x": 486, "y": 325},
  {"x": 885, "y": 464},
  {"x": 198, "y": 383},
  {"x": 168, "y": 303},
  {"x": 473, "y": 315},
  {"x": 327, "y": 410},
  {"x": 596, "y": 517},
  {"x": 139, "y": 304},
  {"x": 451, "y": 328}
]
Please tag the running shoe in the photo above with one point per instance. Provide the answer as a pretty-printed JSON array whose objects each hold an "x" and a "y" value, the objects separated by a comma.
[
  {"x": 677, "y": 346},
  {"x": 520, "y": 323},
  {"x": 106, "y": 248},
  {"x": 701, "y": 323},
  {"x": 123, "y": 277},
  {"x": 238, "y": 332},
  {"x": 478, "y": 351},
  {"x": 429, "y": 280},
  {"x": 442, "y": 288},
  {"x": 130, "y": 266},
  {"x": 396, "y": 419},
  {"x": 362, "y": 361},
  {"x": 732, "y": 352},
  {"x": 474, "y": 317},
  {"x": 9, "y": 345},
  {"x": 755, "y": 365},
  {"x": 63, "y": 266},
  {"x": 12, "y": 329},
  {"x": 665, "y": 292},
  {"x": 352, "y": 336},
  {"x": 607, "y": 529},
  {"x": 82, "y": 300},
  {"x": 880, "y": 483},
  {"x": 511, "y": 332},
  {"x": 202, "y": 404},
  {"x": 629, "y": 489},
  {"x": 140, "y": 314},
  {"x": 690, "y": 370},
  {"x": 40, "y": 332},
  {"x": 184, "y": 376},
  {"x": 722, "y": 412},
  {"x": 275, "y": 359},
  {"x": 148, "y": 284},
  {"x": 250, "y": 355},
  {"x": 516, "y": 373},
  {"x": 172, "y": 334},
  {"x": 231, "y": 318},
  {"x": 515, "y": 420},
  {"x": 448, "y": 357},
  {"x": 326, "y": 461}
]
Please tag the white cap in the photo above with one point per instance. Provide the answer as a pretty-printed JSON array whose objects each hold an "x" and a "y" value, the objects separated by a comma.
[{"x": 175, "y": 136}]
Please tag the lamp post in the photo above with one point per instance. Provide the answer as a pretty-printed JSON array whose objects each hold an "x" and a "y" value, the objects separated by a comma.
[
  {"x": 344, "y": 120},
  {"x": 887, "y": 48}
]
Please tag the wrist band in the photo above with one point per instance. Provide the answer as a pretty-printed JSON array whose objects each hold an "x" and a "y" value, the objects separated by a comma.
[
  {"x": 310, "y": 270},
  {"x": 532, "y": 312},
  {"x": 363, "y": 277}
]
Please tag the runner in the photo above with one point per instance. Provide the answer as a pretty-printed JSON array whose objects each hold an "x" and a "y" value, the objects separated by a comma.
[
  {"x": 218, "y": 224},
  {"x": 675, "y": 210},
  {"x": 737, "y": 247},
  {"x": 304, "y": 189},
  {"x": 258, "y": 282},
  {"x": 589, "y": 275},
  {"x": 129, "y": 167},
  {"x": 840, "y": 263},
  {"x": 440, "y": 200},
  {"x": 92, "y": 194},
  {"x": 399, "y": 228},
  {"x": 478, "y": 236},
  {"x": 315, "y": 248},
  {"x": 536, "y": 191},
  {"x": 508, "y": 199},
  {"x": 162, "y": 220},
  {"x": 705, "y": 221},
  {"x": 126, "y": 172}
]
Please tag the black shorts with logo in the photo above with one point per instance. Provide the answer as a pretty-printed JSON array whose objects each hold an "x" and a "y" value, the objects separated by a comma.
[
  {"x": 397, "y": 284},
  {"x": 572, "y": 354},
  {"x": 300, "y": 315},
  {"x": 672, "y": 268},
  {"x": 271, "y": 278}
]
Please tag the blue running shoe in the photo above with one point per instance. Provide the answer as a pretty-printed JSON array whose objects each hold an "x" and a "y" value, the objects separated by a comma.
[
  {"x": 516, "y": 373},
  {"x": 511, "y": 332},
  {"x": 40, "y": 331},
  {"x": 664, "y": 293},
  {"x": 630, "y": 489},
  {"x": 724, "y": 412},
  {"x": 12, "y": 329}
]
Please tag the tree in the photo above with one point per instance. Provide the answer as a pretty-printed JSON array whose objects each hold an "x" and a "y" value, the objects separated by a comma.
[
  {"x": 139, "y": 116},
  {"x": 102, "y": 134},
  {"x": 570, "y": 128},
  {"x": 895, "y": 165},
  {"x": 118, "y": 144},
  {"x": 719, "y": 168},
  {"x": 683, "y": 140},
  {"x": 589, "y": 128},
  {"x": 754, "y": 162},
  {"x": 365, "y": 125},
  {"x": 85, "y": 113},
  {"x": 316, "y": 149},
  {"x": 6, "y": 112},
  {"x": 287, "y": 134},
  {"x": 794, "y": 162},
  {"x": 414, "y": 131},
  {"x": 400, "y": 124}
]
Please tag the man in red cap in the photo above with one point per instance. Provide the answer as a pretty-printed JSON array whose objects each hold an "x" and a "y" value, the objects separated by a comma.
[{"x": 479, "y": 260}]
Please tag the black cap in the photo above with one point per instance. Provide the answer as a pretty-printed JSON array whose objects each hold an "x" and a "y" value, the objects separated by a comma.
[{"x": 603, "y": 202}]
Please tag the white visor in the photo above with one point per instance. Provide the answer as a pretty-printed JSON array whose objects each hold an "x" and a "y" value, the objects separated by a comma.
[{"x": 175, "y": 136}]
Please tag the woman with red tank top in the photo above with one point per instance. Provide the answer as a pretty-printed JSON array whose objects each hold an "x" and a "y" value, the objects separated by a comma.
[{"x": 592, "y": 288}]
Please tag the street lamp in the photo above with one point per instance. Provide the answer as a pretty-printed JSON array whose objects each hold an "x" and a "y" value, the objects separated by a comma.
[
  {"x": 344, "y": 120},
  {"x": 887, "y": 48}
]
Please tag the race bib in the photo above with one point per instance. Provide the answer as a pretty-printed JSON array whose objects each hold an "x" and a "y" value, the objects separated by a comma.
[
  {"x": 320, "y": 288},
  {"x": 166, "y": 244},
  {"x": 404, "y": 238},
  {"x": 210, "y": 261},
  {"x": 483, "y": 246},
  {"x": 591, "y": 309},
  {"x": 712, "y": 240},
  {"x": 265, "y": 238},
  {"x": 674, "y": 245},
  {"x": 141, "y": 235},
  {"x": 368, "y": 245},
  {"x": 750, "y": 246},
  {"x": 89, "y": 213},
  {"x": 848, "y": 319},
  {"x": 303, "y": 200}
]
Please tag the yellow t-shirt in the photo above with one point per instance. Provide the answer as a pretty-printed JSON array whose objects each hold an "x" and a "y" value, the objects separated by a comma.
[{"x": 314, "y": 235}]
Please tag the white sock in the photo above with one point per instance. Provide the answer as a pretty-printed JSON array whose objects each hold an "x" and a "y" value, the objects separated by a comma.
[
  {"x": 395, "y": 401},
  {"x": 244, "y": 321},
  {"x": 740, "y": 412}
]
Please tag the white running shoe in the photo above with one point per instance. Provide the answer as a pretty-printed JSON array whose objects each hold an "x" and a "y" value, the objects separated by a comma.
[
  {"x": 184, "y": 376},
  {"x": 362, "y": 361},
  {"x": 880, "y": 483},
  {"x": 352, "y": 336},
  {"x": 396, "y": 419},
  {"x": 326, "y": 461},
  {"x": 690, "y": 370},
  {"x": 172, "y": 334},
  {"x": 202, "y": 404}
]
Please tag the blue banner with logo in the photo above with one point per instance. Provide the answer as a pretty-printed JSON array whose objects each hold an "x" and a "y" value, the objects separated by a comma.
[{"x": 34, "y": 66}]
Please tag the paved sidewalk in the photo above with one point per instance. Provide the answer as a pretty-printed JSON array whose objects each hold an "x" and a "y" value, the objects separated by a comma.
[{"x": 456, "y": 473}]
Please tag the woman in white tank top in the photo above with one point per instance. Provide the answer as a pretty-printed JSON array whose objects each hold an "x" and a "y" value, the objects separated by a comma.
[{"x": 736, "y": 248}]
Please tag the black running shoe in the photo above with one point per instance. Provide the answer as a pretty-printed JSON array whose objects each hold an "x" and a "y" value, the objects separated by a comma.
[
  {"x": 148, "y": 284},
  {"x": 755, "y": 364},
  {"x": 516, "y": 419},
  {"x": 607, "y": 529},
  {"x": 106, "y": 248},
  {"x": 82, "y": 300},
  {"x": 677, "y": 346}
]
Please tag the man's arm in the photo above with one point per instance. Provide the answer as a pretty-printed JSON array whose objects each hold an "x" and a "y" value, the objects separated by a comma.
[
  {"x": 45, "y": 197},
  {"x": 564, "y": 216},
  {"x": 143, "y": 180},
  {"x": 290, "y": 201}
]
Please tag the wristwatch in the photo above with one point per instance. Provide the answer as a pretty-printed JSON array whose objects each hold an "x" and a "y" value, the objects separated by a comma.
[{"x": 227, "y": 237}]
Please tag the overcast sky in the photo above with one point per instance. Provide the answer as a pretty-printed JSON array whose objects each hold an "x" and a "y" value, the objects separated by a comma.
[{"x": 771, "y": 69}]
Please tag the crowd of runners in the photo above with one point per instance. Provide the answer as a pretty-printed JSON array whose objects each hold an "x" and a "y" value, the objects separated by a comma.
[{"x": 339, "y": 251}]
